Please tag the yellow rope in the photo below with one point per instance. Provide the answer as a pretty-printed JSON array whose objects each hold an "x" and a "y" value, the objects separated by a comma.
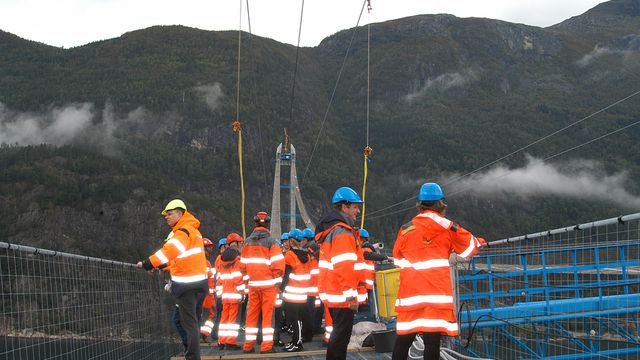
[
  {"x": 367, "y": 152},
  {"x": 238, "y": 130}
]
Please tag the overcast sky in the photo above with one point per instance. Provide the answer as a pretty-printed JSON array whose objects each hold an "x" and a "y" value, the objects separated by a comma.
[{"x": 69, "y": 23}]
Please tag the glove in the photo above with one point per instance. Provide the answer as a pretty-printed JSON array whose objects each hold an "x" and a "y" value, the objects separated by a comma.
[{"x": 482, "y": 242}]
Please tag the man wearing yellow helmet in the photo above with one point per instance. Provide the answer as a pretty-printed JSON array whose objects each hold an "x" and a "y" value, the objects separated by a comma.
[{"x": 185, "y": 251}]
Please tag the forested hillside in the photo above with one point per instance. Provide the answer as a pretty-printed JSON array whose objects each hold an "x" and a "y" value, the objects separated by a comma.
[{"x": 96, "y": 139}]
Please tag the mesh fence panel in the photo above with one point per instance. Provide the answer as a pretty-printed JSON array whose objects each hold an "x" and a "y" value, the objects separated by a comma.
[
  {"x": 568, "y": 293},
  {"x": 64, "y": 306}
]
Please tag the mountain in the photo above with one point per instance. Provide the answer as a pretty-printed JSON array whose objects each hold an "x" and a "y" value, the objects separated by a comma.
[{"x": 152, "y": 113}]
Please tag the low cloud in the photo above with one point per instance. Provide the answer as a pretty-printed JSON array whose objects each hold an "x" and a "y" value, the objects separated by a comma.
[
  {"x": 75, "y": 123},
  {"x": 445, "y": 82},
  {"x": 58, "y": 127},
  {"x": 624, "y": 46},
  {"x": 579, "y": 179},
  {"x": 210, "y": 94}
]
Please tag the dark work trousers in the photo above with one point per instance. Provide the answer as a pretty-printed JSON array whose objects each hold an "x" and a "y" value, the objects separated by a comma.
[
  {"x": 216, "y": 324},
  {"x": 188, "y": 301},
  {"x": 175, "y": 319},
  {"x": 317, "y": 319},
  {"x": 339, "y": 340},
  {"x": 294, "y": 319},
  {"x": 431, "y": 346},
  {"x": 278, "y": 322},
  {"x": 307, "y": 323}
]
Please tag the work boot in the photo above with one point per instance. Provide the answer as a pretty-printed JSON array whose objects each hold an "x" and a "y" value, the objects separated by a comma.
[
  {"x": 294, "y": 348},
  {"x": 220, "y": 346}
]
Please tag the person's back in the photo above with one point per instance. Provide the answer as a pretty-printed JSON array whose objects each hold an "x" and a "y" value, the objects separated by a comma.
[
  {"x": 263, "y": 264},
  {"x": 425, "y": 297}
]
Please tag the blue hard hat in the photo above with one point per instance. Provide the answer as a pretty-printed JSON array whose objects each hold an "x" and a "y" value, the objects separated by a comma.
[
  {"x": 279, "y": 242},
  {"x": 284, "y": 236},
  {"x": 430, "y": 192},
  {"x": 296, "y": 234},
  {"x": 346, "y": 194},
  {"x": 222, "y": 241},
  {"x": 308, "y": 233},
  {"x": 364, "y": 233}
]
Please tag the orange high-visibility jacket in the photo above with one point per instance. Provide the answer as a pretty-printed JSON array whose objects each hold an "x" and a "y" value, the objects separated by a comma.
[
  {"x": 297, "y": 285},
  {"x": 422, "y": 252},
  {"x": 186, "y": 249},
  {"x": 230, "y": 286},
  {"x": 338, "y": 279},
  {"x": 262, "y": 260}
]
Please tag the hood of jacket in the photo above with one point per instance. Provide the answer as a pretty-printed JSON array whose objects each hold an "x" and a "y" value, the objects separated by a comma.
[
  {"x": 330, "y": 220},
  {"x": 187, "y": 220}
]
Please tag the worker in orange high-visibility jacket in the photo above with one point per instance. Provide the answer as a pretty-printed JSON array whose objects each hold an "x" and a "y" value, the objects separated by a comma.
[
  {"x": 230, "y": 287},
  {"x": 296, "y": 283},
  {"x": 338, "y": 279},
  {"x": 425, "y": 297},
  {"x": 263, "y": 263},
  {"x": 316, "y": 310},
  {"x": 189, "y": 285},
  {"x": 209, "y": 303}
]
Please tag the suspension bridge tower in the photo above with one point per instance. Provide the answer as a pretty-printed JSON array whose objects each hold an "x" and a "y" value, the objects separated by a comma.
[{"x": 286, "y": 218}]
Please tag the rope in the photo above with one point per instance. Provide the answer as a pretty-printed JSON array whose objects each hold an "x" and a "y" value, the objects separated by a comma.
[
  {"x": 333, "y": 93},
  {"x": 252, "y": 66},
  {"x": 295, "y": 69},
  {"x": 237, "y": 128},
  {"x": 368, "y": 151}
]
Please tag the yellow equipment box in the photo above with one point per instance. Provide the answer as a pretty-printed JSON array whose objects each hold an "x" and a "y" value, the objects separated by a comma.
[{"x": 387, "y": 284}]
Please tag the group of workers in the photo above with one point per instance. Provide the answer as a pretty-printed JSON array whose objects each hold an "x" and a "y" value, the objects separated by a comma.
[{"x": 306, "y": 275}]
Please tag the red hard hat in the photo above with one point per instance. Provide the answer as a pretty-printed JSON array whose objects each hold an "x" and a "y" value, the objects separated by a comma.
[
  {"x": 207, "y": 242},
  {"x": 233, "y": 237},
  {"x": 262, "y": 217}
]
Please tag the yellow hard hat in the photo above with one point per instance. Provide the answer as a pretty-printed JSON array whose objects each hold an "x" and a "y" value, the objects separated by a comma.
[{"x": 174, "y": 204}]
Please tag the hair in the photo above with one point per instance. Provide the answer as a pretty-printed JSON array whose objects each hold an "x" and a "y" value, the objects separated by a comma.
[
  {"x": 338, "y": 206},
  {"x": 435, "y": 205}
]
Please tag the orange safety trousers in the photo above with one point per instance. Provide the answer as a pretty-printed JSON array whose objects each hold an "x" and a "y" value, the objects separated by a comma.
[
  {"x": 260, "y": 300},
  {"x": 229, "y": 327}
]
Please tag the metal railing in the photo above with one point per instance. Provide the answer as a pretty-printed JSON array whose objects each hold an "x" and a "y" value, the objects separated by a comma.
[{"x": 57, "y": 305}]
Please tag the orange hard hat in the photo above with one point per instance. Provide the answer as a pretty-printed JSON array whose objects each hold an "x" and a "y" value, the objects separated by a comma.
[{"x": 234, "y": 237}]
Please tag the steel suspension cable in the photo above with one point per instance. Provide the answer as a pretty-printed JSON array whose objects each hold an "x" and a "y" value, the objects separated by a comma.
[
  {"x": 253, "y": 94},
  {"x": 237, "y": 128},
  {"x": 519, "y": 150},
  {"x": 333, "y": 93},
  {"x": 501, "y": 176},
  {"x": 295, "y": 68}
]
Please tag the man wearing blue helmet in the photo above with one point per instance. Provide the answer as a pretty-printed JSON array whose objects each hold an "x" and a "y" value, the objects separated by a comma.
[
  {"x": 425, "y": 297},
  {"x": 338, "y": 279}
]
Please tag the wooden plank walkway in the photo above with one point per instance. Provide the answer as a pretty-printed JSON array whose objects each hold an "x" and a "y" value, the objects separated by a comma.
[{"x": 238, "y": 354}]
